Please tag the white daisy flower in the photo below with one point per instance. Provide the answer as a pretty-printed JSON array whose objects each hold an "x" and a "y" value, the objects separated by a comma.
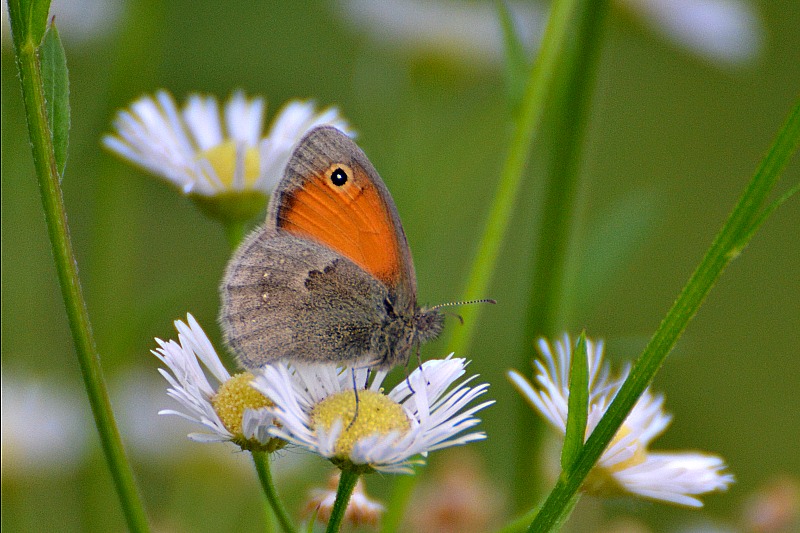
[
  {"x": 315, "y": 406},
  {"x": 230, "y": 410},
  {"x": 725, "y": 32},
  {"x": 208, "y": 153},
  {"x": 626, "y": 464}
]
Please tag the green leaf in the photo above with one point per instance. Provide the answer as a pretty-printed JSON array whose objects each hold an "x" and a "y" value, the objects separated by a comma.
[
  {"x": 312, "y": 520},
  {"x": 578, "y": 404},
  {"x": 516, "y": 64},
  {"x": 28, "y": 20},
  {"x": 748, "y": 232},
  {"x": 55, "y": 79}
]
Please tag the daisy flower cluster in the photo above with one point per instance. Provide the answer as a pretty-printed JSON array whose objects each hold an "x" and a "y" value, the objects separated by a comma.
[
  {"x": 219, "y": 158},
  {"x": 627, "y": 465},
  {"x": 317, "y": 407}
]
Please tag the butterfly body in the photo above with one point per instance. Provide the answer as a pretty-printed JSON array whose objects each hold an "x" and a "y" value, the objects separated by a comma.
[{"x": 329, "y": 277}]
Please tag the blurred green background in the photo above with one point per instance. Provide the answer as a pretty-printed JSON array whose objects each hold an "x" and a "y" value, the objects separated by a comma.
[{"x": 675, "y": 134}]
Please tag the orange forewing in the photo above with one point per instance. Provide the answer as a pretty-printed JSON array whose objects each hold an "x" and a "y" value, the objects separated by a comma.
[{"x": 353, "y": 220}]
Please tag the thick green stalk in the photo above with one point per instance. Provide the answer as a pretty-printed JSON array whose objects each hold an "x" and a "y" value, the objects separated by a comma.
[
  {"x": 347, "y": 482},
  {"x": 560, "y": 27},
  {"x": 261, "y": 461},
  {"x": 729, "y": 243},
  {"x": 575, "y": 84},
  {"x": 559, "y": 206},
  {"x": 66, "y": 267}
]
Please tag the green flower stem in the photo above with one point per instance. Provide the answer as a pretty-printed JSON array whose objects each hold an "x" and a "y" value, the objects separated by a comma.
[
  {"x": 66, "y": 267},
  {"x": 729, "y": 243},
  {"x": 545, "y": 310},
  {"x": 347, "y": 482},
  {"x": 261, "y": 461},
  {"x": 576, "y": 83},
  {"x": 560, "y": 28}
]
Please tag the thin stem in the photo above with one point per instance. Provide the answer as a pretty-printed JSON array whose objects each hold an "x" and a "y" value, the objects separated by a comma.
[
  {"x": 575, "y": 85},
  {"x": 526, "y": 127},
  {"x": 347, "y": 482},
  {"x": 728, "y": 244},
  {"x": 261, "y": 462},
  {"x": 559, "y": 206},
  {"x": 66, "y": 267}
]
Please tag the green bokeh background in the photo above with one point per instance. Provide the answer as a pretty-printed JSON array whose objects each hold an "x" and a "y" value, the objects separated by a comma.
[{"x": 672, "y": 140}]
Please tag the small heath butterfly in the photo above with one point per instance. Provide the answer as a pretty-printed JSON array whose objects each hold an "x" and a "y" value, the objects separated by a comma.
[{"x": 329, "y": 276}]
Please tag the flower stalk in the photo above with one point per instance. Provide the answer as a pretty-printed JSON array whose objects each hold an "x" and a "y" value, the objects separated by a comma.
[
  {"x": 261, "y": 462},
  {"x": 561, "y": 25},
  {"x": 26, "y": 44},
  {"x": 347, "y": 482}
]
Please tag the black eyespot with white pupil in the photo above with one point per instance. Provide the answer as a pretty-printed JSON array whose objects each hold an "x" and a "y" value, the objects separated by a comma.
[{"x": 338, "y": 177}]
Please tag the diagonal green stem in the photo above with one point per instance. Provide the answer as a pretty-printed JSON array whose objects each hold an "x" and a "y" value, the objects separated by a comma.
[
  {"x": 728, "y": 244},
  {"x": 347, "y": 482},
  {"x": 261, "y": 461},
  {"x": 526, "y": 127},
  {"x": 66, "y": 267}
]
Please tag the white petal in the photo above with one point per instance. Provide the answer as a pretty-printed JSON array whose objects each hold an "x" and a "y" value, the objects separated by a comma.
[
  {"x": 728, "y": 31},
  {"x": 676, "y": 477}
]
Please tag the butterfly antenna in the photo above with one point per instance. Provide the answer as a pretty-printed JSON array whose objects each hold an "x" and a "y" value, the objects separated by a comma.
[
  {"x": 459, "y": 317},
  {"x": 467, "y": 302}
]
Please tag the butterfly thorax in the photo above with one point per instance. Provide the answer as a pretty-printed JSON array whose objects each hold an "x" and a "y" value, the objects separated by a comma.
[{"x": 402, "y": 332}]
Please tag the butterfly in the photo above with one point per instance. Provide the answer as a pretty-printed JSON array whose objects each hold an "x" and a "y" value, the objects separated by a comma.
[{"x": 329, "y": 276}]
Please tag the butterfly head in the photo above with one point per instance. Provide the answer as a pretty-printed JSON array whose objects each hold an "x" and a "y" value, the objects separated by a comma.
[{"x": 427, "y": 324}]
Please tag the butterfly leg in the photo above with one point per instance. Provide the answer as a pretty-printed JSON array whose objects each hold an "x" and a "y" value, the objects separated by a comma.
[
  {"x": 419, "y": 361},
  {"x": 408, "y": 381}
]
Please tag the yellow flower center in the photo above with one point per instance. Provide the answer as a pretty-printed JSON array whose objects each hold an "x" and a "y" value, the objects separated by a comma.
[
  {"x": 376, "y": 414},
  {"x": 601, "y": 480},
  {"x": 638, "y": 456},
  {"x": 223, "y": 159},
  {"x": 233, "y": 397}
]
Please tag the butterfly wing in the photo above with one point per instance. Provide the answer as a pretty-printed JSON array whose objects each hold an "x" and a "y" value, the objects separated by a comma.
[
  {"x": 331, "y": 194},
  {"x": 286, "y": 297}
]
